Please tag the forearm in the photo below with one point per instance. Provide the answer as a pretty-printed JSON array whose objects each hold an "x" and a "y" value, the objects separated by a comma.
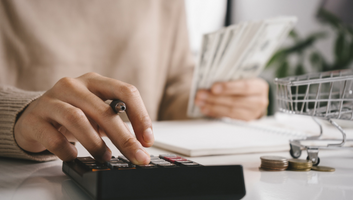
[
  {"x": 181, "y": 65},
  {"x": 176, "y": 97},
  {"x": 12, "y": 102}
]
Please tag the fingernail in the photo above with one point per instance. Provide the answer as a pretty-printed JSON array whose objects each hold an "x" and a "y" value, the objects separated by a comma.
[
  {"x": 148, "y": 135},
  {"x": 141, "y": 157},
  {"x": 217, "y": 89}
]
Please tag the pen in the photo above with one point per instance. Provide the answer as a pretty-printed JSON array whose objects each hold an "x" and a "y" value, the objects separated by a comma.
[{"x": 118, "y": 106}]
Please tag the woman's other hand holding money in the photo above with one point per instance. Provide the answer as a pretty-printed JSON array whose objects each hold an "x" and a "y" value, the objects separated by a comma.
[{"x": 245, "y": 99}]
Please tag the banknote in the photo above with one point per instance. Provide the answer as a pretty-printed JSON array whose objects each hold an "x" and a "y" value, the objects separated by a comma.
[
  {"x": 237, "y": 52},
  {"x": 271, "y": 34},
  {"x": 198, "y": 75}
]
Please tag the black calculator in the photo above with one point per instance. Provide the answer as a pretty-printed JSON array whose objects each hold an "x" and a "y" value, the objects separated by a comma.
[{"x": 167, "y": 176}]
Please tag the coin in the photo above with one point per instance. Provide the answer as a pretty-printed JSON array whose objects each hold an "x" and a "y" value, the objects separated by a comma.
[
  {"x": 273, "y": 158},
  {"x": 265, "y": 169},
  {"x": 273, "y": 163},
  {"x": 299, "y": 170},
  {"x": 299, "y": 161},
  {"x": 274, "y": 166},
  {"x": 299, "y": 165},
  {"x": 323, "y": 169}
]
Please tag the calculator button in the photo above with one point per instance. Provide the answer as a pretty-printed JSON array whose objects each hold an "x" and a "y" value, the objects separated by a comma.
[
  {"x": 155, "y": 158},
  {"x": 116, "y": 161},
  {"x": 175, "y": 159},
  {"x": 192, "y": 164},
  {"x": 123, "y": 158},
  {"x": 89, "y": 162},
  {"x": 167, "y": 165},
  {"x": 85, "y": 159},
  {"x": 118, "y": 165},
  {"x": 182, "y": 161},
  {"x": 123, "y": 166},
  {"x": 148, "y": 166},
  {"x": 167, "y": 155},
  {"x": 171, "y": 157},
  {"x": 156, "y": 162}
]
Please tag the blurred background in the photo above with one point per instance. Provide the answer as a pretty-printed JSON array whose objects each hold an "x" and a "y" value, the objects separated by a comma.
[{"x": 322, "y": 39}]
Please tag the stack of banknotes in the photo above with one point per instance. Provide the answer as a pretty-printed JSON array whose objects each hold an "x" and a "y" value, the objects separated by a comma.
[{"x": 237, "y": 52}]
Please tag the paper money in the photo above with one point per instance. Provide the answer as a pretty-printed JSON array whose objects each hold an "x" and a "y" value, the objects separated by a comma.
[{"x": 237, "y": 52}]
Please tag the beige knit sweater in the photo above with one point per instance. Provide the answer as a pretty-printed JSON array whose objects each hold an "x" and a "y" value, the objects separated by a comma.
[{"x": 141, "y": 42}]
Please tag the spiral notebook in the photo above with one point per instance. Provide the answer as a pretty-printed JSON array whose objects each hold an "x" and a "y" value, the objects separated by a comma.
[{"x": 216, "y": 137}]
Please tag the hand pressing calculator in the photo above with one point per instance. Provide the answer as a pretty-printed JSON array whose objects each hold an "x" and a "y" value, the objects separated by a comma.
[{"x": 166, "y": 177}]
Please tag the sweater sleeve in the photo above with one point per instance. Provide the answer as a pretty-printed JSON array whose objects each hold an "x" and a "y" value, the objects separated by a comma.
[
  {"x": 12, "y": 102},
  {"x": 181, "y": 66}
]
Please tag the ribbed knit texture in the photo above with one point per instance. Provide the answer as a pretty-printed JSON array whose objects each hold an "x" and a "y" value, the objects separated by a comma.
[
  {"x": 143, "y": 43},
  {"x": 12, "y": 102}
]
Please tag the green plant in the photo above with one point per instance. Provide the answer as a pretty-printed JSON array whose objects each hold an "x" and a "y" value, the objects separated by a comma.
[{"x": 303, "y": 50}]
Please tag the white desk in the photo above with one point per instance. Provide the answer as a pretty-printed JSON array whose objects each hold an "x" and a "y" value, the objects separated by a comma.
[{"x": 35, "y": 181}]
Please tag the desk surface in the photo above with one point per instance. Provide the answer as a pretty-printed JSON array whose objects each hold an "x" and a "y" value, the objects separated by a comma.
[{"x": 31, "y": 180}]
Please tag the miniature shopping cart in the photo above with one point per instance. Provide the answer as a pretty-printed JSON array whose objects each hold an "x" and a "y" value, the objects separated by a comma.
[{"x": 326, "y": 95}]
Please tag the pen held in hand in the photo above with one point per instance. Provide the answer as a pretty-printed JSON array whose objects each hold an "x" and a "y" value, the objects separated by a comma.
[{"x": 118, "y": 106}]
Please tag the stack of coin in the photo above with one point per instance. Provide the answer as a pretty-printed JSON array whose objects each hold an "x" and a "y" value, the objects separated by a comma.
[
  {"x": 273, "y": 163},
  {"x": 299, "y": 165}
]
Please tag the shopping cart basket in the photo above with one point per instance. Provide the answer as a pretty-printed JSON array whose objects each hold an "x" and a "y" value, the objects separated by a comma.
[{"x": 326, "y": 95}]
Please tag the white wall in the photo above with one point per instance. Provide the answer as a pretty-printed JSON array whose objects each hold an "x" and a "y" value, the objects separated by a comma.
[
  {"x": 204, "y": 16},
  {"x": 305, "y": 10}
]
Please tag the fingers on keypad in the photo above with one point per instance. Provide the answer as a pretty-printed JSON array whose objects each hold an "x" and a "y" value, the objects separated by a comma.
[{"x": 122, "y": 163}]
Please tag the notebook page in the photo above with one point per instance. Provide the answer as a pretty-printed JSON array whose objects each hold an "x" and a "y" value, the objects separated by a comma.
[{"x": 211, "y": 137}]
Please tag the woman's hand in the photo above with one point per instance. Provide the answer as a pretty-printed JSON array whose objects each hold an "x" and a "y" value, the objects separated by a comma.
[
  {"x": 245, "y": 99},
  {"x": 74, "y": 109}
]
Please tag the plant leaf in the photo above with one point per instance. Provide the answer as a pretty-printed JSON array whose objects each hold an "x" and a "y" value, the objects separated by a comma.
[
  {"x": 351, "y": 51},
  {"x": 343, "y": 51},
  {"x": 339, "y": 48},
  {"x": 303, "y": 44},
  {"x": 299, "y": 69},
  {"x": 329, "y": 18},
  {"x": 279, "y": 56},
  {"x": 347, "y": 54},
  {"x": 294, "y": 34},
  {"x": 350, "y": 30},
  {"x": 315, "y": 60},
  {"x": 282, "y": 71}
]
